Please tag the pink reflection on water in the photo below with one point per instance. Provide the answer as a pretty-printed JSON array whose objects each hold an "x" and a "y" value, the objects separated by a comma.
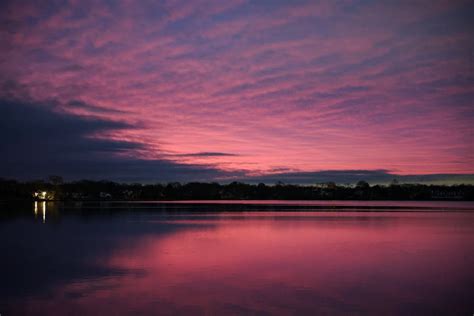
[
  {"x": 283, "y": 263},
  {"x": 468, "y": 205}
]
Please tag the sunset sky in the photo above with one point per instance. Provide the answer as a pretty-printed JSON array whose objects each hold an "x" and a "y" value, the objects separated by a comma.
[{"x": 298, "y": 91}]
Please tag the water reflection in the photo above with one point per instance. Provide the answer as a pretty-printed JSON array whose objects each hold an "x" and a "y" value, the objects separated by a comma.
[
  {"x": 148, "y": 262},
  {"x": 44, "y": 211}
]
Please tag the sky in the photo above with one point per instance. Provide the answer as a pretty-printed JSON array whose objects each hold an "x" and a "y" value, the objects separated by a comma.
[{"x": 292, "y": 91}]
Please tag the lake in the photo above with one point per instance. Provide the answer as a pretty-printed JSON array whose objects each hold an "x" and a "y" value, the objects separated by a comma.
[{"x": 237, "y": 257}]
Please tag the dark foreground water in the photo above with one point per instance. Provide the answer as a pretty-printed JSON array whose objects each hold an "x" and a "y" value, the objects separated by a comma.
[{"x": 356, "y": 258}]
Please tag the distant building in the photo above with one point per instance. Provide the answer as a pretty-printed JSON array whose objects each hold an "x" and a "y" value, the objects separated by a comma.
[
  {"x": 446, "y": 195},
  {"x": 105, "y": 195},
  {"x": 44, "y": 195},
  {"x": 326, "y": 185}
]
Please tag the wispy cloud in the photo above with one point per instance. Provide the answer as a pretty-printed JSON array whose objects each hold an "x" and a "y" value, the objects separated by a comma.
[
  {"x": 351, "y": 85},
  {"x": 206, "y": 154},
  {"x": 353, "y": 176}
]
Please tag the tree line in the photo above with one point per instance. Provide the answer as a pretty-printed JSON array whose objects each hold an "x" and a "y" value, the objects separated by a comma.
[{"x": 56, "y": 189}]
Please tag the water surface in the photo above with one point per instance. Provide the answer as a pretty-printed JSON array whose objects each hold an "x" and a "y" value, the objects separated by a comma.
[{"x": 256, "y": 257}]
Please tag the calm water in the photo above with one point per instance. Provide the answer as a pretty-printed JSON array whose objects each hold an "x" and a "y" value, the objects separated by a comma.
[{"x": 362, "y": 258}]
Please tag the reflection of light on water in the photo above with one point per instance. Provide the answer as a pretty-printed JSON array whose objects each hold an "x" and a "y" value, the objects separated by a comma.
[
  {"x": 44, "y": 211},
  {"x": 36, "y": 209}
]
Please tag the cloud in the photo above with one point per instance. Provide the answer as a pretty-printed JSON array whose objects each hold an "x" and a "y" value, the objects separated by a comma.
[
  {"x": 302, "y": 85},
  {"x": 38, "y": 141},
  {"x": 206, "y": 154},
  {"x": 353, "y": 176},
  {"x": 338, "y": 176},
  {"x": 80, "y": 105}
]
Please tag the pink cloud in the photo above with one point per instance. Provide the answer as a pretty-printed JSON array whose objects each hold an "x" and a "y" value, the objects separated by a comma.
[{"x": 308, "y": 88}]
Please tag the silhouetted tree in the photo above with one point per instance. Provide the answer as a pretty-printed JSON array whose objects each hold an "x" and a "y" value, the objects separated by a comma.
[{"x": 362, "y": 185}]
